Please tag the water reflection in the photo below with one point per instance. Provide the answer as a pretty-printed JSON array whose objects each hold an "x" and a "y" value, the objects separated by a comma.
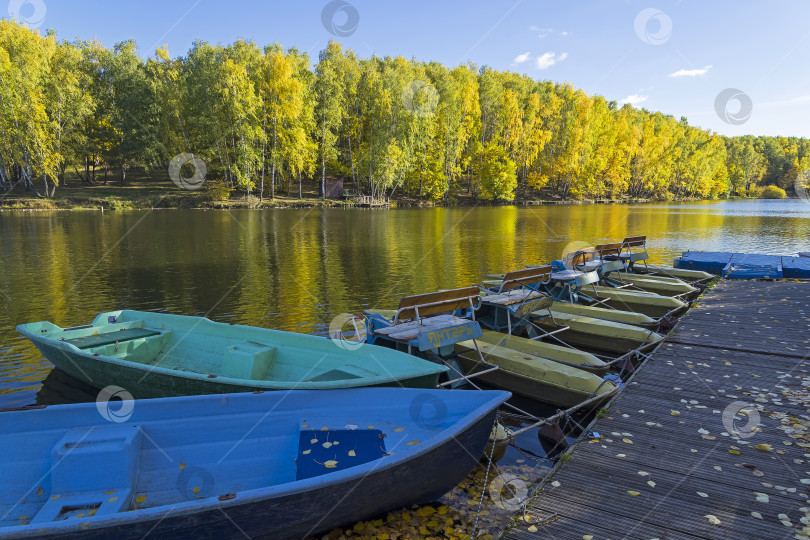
[{"x": 296, "y": 269}]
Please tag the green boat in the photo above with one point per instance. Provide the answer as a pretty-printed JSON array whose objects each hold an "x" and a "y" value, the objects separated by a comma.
[
  {"x": 616, "y": 315},
  {"x": 650, "y": 304},
  {"x": 566, "y": 356},
  {"x": 665, "y": 286},
  {"x": 693, "y": 276},
  {"x": 160, "y": 355},
  {"x": 596, "y": 334},
  {"x": 531, "y": 376}
]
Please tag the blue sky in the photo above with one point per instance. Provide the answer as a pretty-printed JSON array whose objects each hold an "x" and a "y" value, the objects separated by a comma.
[{"x": 674, "y": 57}]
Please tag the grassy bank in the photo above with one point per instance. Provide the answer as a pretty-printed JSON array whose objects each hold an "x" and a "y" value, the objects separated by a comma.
[{"x": 145, "y": 191}]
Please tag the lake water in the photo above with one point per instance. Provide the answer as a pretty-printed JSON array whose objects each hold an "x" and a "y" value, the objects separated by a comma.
[{"x": 296, "y": 269}]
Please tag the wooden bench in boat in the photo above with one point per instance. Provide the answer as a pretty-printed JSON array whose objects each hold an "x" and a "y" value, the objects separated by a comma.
[
  {"x": 428, "y": 321},
  {"x": 519, "y": 291},
  {"x": 108, "y": 338},
  {"x": 627, "y": 253}
]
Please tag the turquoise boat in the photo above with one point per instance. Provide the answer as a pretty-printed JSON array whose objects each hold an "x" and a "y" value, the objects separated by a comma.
[
  {"x": 280, "y": 465},
  {"x": 160, "y": 355}
]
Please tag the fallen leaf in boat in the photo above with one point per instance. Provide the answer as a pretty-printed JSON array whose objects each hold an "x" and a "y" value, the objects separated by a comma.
[
  {"x": 304, "y": 426},
  {"x": 532, "y": 529},
  {"x": 79, "y": 515},
  {"x": 650, "y": 483},
  {"x": 674, "y": 413},
  {"x": 40, "y": 491},
  {"x": 140, "y": 498},
  {"x": 313, "y": 441},
  {"x": 370, "y": 427},
  {"x": 764, "y": 447},
  {"x": 634, "y": 493},
  {"x": 399, "y": 429},
  {"x": 327, "y": 444},
  {"x": 105, "y": 493},
  {"x": 626, "y": 440},
  {"x": 712, "y": 519},
  {"x": 351, "y": 453},
  {"x": 702, "y": 494},
  {"x": 336, "y": 443},
  {"x": 92, "y": 512},
  {"x": 331, "y": 464},
  {"x": 182, "y": 466},
  {"x": 411, "y": 443},
  {"x": 195, "y": 490},
  {"x": 756, "y": 515},
  {"x": 327, "y": 429},
  {"x": 555, "y": 483},
  {"x": 305, "y": 452}
]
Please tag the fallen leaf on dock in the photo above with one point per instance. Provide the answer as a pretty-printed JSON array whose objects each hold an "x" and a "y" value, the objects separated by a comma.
[
  {"x": 756, "y": 515},
  {"x": 651, "y": 483},
  {"x": 634, "y": 493},
  {"x": 702, "y": 494},
  {"x": 764, "y": 447},
  {"x": 532, "y": 529},
  {"x": 712, "y": 519},
  {"x": 674, "y": 413}
]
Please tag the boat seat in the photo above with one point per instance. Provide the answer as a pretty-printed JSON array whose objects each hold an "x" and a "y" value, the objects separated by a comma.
[
  {"x": 107, "y": 338},
  {"x": 248, "y": 360},
  {"x": 93, "y": 472}
]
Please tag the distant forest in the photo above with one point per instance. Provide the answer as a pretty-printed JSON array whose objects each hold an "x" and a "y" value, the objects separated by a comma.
[{"x": 262, "y": 120}]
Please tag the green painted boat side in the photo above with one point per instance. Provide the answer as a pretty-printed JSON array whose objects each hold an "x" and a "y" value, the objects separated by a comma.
[
  {"x": 680, "y": 273},
  {"x": 531, "y": 376},
  {"x": 598, "y": 334},
  {"x": 556, "y": 353},
  {"x": 662, "y": 285},
  {"x": 194, "y": 355},
  {"x": 651, "y": 304},
  {"x": 617, "y": 315}
]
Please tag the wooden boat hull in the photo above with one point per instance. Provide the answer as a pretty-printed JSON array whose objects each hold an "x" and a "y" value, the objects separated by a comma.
[
  {"x": 531, "y": 376},
  {"x": 599, "y": 334},
  {"x": 650, "y": 304},
  {"x": 617, "y": 315},
  {"x": 663, "y": 285},
  {"x": 230, "y": 504},
  {"x": 556, "y": 353},
  {"x": 192, "y": 355}
]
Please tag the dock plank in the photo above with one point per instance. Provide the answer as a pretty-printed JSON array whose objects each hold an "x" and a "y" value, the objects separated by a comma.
[{"x": 711, "y": 366}]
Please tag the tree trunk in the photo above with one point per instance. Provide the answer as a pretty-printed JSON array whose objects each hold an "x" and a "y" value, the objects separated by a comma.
[{"x": 299, "y": 186}]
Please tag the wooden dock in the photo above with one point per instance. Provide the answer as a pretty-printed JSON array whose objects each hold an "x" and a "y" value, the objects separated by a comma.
[{"x": 674, "y": 460}]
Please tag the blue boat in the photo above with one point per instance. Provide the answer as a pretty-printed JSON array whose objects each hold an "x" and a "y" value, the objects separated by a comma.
[{"x": 276, "y": 464}]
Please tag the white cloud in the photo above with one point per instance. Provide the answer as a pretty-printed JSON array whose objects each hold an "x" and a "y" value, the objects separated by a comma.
[
  {"x": 690, "y": 72},
  {"x": 564, "y": 33},
  {"x": 634, "y": 99},
  {"x": 533, "y": 28},
  {"x": 546, "y": 60},
  {"x": 519, "y": 59}
]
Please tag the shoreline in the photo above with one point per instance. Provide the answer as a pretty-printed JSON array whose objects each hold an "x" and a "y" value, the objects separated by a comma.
[{"x": 200, "y": 202}]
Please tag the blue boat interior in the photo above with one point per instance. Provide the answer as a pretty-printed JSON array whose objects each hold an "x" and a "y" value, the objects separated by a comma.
[{"x": 207, "y": 446}]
